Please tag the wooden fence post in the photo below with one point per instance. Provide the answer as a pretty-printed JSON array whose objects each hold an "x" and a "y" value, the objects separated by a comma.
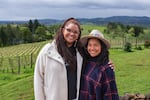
[
  {"x": 11, "y": 65},
  {"x": 31, "y": 60},
  {"x": 18, "y": 64},
  {"x": 1, "y": 63}
]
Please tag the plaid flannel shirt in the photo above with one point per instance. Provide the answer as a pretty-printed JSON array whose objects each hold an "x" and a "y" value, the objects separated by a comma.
[{"x": 98, "y": 83}]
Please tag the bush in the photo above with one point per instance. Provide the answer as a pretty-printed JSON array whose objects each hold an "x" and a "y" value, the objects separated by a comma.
[
  {"x": 147, "y": 43},
  {"x": 139, "y": 48},
  {"x": 128, "y": 47}
]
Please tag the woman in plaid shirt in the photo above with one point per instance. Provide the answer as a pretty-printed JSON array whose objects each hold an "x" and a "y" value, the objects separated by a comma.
[{"x": 98, "y": 79}]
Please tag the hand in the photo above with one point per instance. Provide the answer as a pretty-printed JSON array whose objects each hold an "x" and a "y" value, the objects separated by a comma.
[{"x": 111, "y": 65}]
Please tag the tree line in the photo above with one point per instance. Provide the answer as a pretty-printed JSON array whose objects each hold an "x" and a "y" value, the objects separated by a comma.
[
  {"x": 119, "y": 30},
  {"x": 33, "y": 31}
]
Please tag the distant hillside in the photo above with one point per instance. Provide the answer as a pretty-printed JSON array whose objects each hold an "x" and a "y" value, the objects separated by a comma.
[{"x": 126, "y": 20}]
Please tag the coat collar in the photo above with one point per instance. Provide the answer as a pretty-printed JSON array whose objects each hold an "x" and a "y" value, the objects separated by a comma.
[{"x": 52, "y": 52}]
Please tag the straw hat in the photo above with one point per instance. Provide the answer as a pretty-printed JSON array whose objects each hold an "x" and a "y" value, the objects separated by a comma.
[{"x": 95, "y": 34}]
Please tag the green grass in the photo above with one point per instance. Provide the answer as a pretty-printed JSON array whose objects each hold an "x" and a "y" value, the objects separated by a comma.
[
  {"x": 18, "y": 90},
  {"x": 132, "y": 70},
  {"x": 16, "y": 86}
]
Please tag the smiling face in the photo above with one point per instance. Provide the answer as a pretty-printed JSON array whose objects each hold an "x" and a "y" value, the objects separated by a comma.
[
  {"x": 71, "y": 33},
  {"x": 94, "y": 47}
]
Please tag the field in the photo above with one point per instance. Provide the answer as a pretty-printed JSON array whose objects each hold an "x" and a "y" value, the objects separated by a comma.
[
  {"x": 131, "y": 69},
  {"x": 13, "y": 57},
  {"x": 17, "y": 68}
]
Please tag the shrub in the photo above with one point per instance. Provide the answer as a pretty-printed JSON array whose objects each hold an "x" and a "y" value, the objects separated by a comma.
[
  {"x": 128, "y": 47},
  {"x": 139, "y": 48},
  {"x": 147, "y": 43}
]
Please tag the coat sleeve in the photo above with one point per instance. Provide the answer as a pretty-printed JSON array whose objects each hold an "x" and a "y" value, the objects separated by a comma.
[
  {"x": 108, "y": 86},
  {"x": 39, "y": 93}
]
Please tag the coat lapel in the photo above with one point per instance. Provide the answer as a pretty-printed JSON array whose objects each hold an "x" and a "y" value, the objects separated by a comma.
[
  {"x": 79, "y": 68},
  {"x": 52, "y": 52}
]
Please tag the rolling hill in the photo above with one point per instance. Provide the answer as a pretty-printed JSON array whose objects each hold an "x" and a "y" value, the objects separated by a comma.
[{"x": 126, "y": 20}]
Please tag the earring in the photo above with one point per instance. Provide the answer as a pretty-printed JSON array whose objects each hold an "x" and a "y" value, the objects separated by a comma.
[{"x": 75, "y": 43}]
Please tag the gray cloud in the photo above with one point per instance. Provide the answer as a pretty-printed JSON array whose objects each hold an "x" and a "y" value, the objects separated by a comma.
[{"x": 61, "y": 9}]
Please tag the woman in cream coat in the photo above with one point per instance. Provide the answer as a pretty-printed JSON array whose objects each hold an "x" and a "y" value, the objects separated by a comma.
[{"x": 58, "y": 65}]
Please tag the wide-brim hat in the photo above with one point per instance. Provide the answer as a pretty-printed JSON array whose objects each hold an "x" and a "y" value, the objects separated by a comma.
[{"x": 95, "y": 34}]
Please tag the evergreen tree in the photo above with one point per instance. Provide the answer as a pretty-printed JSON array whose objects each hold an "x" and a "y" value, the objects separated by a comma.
[
  {"x": 35, "y": 24},
  {"x": 3, "y": 37},
  {"x": 30, "y": 25}
]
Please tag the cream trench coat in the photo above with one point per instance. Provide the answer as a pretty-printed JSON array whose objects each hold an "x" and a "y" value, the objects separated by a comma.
[{"x": 50, "y": 76}]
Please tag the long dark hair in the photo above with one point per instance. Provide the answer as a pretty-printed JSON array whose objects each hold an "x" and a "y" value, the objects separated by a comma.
[{"x": 62, "y": 45}]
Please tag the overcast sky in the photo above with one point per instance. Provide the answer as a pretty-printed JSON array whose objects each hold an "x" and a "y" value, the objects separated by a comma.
[{"x": 62, "y": 9}]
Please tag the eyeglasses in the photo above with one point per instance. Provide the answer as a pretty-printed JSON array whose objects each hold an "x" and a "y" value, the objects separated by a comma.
[{"x": 69, "y": 30}]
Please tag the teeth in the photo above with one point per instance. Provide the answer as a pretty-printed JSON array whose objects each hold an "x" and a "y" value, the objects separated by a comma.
[
  {"x": 92, "y": 52},
  {"x": 71, "y": 37}
]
